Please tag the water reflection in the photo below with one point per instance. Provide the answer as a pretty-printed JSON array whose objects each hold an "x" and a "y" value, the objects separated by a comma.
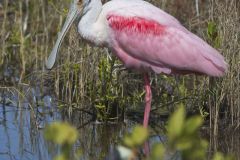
[
  {"x": 22, "y": 119},
  {"x": 18, "y": 135},
  {"x": 21, "y": 135}
]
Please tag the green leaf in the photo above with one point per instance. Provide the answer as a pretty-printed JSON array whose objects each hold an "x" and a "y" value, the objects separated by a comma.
[
  {"x": 176, "y": 122},
  {"x": 210, "y": 29},
  {"x": 99, "y": 106},
  {"x": 197, "y": 150},
  {"x": 158, "y": 152},
  {"x": 61, "y": 133},
  {"x": 184, "y": 143},
  {"x": 128, "y": 141},
  {"x": 60, "y": 157},
  {"x": 138, "y": 136},
  {"x": 220, "y": 156},
  {"x": 193, "y": 124}
]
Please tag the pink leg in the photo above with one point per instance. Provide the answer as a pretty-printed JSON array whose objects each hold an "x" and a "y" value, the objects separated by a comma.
[{"x": 148, "y": 99}]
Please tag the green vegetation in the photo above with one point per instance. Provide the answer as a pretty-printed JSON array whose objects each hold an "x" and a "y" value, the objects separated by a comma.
[
  {"x": 138, "y": 136},
  {"x": 183, "y": 135},
  {"x": 183, "y": 139},
  {"x": 64, "y": 135},
  {"x": 89, "y": 78}
]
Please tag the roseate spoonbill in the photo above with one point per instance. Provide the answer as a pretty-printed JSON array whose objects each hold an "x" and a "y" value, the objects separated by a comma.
[{"x": 144, "y": 38}]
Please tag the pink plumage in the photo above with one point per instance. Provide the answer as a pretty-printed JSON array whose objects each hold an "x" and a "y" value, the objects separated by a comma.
[{"x": 148, "y": 45}]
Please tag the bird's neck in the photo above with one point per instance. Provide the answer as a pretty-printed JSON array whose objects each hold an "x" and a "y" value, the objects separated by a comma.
[{"x": 89, "y": 18}]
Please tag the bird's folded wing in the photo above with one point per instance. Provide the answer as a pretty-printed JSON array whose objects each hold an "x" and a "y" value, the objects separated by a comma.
[{"x": 160, "y": 44}]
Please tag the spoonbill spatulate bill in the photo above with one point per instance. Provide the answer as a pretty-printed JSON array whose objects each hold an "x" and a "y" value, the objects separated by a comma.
[{"x": 144, "y": 38}]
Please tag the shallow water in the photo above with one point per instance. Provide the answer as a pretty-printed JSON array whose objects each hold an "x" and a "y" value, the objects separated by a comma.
[
  {"x": 21, "y": 135},
  {"x": 22, "y": 123},
  {"x": 22, "y": 119}
]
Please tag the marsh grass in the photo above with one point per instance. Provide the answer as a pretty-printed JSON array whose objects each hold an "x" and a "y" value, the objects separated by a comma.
[{"x": 91, "y": 78}]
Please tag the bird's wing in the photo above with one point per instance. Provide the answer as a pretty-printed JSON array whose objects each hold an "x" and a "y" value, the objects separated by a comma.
[
  {"x": 143, "y": 9},
  {"x": 163, "y": 44}
]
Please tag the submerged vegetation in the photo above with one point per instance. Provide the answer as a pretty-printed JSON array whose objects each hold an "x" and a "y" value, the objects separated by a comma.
[{"x": 91, "y": 79}]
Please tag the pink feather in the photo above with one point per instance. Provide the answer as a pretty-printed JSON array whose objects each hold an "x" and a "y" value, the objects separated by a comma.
[{"x": 148, "y": 44}]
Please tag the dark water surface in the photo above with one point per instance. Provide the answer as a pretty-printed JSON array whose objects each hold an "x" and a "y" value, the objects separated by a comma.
[
  {"x": 22, "y": 122},
  {"x": 22, "y": 119},
  {"x": 21, "y": 136}
]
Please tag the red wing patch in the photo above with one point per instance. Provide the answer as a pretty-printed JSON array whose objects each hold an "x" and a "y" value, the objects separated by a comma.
[{"x": 135, "y": 24}]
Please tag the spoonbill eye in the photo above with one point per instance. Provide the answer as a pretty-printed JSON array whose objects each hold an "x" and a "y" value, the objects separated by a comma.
[{"x": 79, "y": 3}]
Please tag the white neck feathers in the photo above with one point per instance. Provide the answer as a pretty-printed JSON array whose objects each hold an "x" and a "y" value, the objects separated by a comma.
[{"x": 87, "y": 23}]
